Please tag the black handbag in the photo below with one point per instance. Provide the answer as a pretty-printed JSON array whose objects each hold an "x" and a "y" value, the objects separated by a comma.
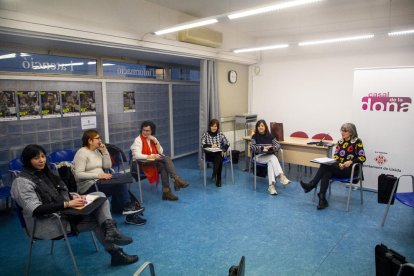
[
  {"x": 387, "y": 261},
  {"x": 385, "y": 185}
]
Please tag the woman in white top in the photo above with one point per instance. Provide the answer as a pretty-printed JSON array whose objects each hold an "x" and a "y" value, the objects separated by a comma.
[{"x": 146, "y": 146}]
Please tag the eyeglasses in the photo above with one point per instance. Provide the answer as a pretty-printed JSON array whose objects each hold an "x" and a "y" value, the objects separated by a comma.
[
  {"x": 344, "y": 130},
  {"x": 146, "y": 130},
  {"x": 98, "y": 138}
]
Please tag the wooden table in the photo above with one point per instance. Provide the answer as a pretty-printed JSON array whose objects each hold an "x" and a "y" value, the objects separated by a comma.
[{"x": 297, "y": 151}]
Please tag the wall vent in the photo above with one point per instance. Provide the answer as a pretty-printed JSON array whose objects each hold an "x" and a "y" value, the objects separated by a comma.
[{"x": 201, "y": 36}]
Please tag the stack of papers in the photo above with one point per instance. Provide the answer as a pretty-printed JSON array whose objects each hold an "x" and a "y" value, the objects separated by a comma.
[
  {"x": 89, "y": 200},
  {"x": 213, "y": 149}
]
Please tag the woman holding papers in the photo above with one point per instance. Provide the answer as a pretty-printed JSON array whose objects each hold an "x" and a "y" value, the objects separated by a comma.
[
  {"x": 147, "y": 147},
  {"x": 349, "y": 150},
  {"x": 264, "y": 146},
  {"x": 40, "y": 193},
  {"x": 88, "y": 167},
  {"x": 215, "y": 144}
]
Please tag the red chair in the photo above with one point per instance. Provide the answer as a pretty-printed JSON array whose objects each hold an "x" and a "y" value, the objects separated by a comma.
[
  {"x": 324, "y": 136},
  {"x": 299, "y": 134}
]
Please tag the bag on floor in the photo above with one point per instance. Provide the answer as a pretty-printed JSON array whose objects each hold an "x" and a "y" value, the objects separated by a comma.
[
  {"x": 385, "y": 184},
  {"x": 387, "y": 261}
]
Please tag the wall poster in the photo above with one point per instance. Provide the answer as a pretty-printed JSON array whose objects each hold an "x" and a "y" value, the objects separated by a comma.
[
  {"x": 29, "y": 105},
  {"x": 8, "y": 109},
  {"x": 50, "y": 101},
  {"x": 70, "y": 103},
  {"x": 129, "y": 101},
  {"x": 87, "y": 102}
]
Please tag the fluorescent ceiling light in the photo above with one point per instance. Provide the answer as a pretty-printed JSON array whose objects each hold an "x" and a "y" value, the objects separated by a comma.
[
  {"x": 8, "y": 56},
  {"x": 180, "y": 27},
  {"x": 406, "y": 32},
  {"x": 24, "y": 55},
  {"x": 279, "y": 46},
  {"x": 270, "y": 8},
  {"x": 334, "y": 40}
]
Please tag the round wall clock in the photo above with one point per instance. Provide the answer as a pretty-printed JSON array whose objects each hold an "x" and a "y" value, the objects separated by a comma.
[{"x": 232, "y": 76}]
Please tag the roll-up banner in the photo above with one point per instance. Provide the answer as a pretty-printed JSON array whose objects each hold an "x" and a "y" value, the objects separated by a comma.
[{"x": 384, "y": 117}]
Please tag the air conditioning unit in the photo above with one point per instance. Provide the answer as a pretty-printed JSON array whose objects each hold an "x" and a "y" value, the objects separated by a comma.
[{"x": 201, "y": 36}]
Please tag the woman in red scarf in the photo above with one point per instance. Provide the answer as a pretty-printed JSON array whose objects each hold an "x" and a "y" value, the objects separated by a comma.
[{"x": 146, "y": 146}]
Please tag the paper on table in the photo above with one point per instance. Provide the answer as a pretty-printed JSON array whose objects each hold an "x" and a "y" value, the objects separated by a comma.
[
  {"x": 89, "y": 200},
  {"x": 323, "y": 160}
]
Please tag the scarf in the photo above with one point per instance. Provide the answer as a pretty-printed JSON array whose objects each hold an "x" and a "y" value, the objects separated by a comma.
[
  {"x": 265, "y": 139},
  {"x": 150, "y": 169}
]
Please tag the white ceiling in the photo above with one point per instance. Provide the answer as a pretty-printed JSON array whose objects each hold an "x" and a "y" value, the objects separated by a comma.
[{"x": 329, "y": 18}]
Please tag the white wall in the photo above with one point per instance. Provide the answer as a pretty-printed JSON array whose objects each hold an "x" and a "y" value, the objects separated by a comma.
[{"x": 311, "y": 89}]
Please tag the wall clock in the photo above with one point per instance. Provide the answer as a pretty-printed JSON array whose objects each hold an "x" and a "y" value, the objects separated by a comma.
[{"x": 232, "y": 76}]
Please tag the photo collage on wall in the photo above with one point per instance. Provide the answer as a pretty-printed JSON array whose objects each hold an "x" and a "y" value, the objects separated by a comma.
[
  {"x": 29, "y": 105},
  {"x": 8, "y": 108},
  {"x": 129, "y": 101}
]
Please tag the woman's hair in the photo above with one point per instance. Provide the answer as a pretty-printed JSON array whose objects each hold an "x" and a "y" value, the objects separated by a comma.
[
  {"x": 212, "y": 123},
  {"x": 150, "y": 124},
  {"x": 30, "y": 152},
  {"x": 351, "y": 128},
  {"x": 258, "y": 124},
  {"x": 88, "y": 134}
]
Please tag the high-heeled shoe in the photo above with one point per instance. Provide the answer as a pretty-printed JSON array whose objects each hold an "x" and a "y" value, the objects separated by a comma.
[
  {"x": 323, "y": 203},
  {"x": 307, "y": 187}
]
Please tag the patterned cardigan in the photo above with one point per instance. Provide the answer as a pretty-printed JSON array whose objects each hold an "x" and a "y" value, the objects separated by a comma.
[{"x": 208, "y": 140}]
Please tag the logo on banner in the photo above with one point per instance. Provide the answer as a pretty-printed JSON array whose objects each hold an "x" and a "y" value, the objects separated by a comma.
[
  {"x": 380, "y": 159},
  {"x": 382, "y": 101}
]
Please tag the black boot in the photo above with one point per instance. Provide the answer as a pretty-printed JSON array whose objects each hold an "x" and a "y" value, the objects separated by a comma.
[
  {"x": 119, "y": 257},
  {"x": 323, "y": 203},
  {"x": 112, "y": 235},
  {"x": 218, "y": 181},
  {"x": 307, "y": 187}
]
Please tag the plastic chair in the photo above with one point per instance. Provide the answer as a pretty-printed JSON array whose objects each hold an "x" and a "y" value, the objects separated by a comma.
[
  {"x": 228, "y": 159},
  {"x": 255, "y": 164},
  {"x": 405, "y": 198},
  {"x": 15, "y": 167},
  {"x": 56, "y": 158},
  {"x": 118, "y": 158},
  {"x": 137, "y": 174},
  {"x": 322, "y": 136},
  {"x": 299, "y": 134},
  {"x": 4, "y": 192},
  {"x": 351, "y": 181},
  {"x": 64, "y": 236}
]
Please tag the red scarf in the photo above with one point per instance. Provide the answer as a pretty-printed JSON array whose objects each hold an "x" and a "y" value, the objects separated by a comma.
[{"x": 150, "y": 169}]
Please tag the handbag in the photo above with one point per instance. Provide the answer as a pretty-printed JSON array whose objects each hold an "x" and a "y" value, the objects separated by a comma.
[{"x": 276, "y": 129}]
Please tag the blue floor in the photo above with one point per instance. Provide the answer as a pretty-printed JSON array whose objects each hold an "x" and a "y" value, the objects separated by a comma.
[{"x": 208, "y": 230}]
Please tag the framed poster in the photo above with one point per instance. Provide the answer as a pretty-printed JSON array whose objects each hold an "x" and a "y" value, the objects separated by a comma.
[
  {"x": 87, "y": 102},
  {"x": 8, "y": 109},
  {"x": 29, "y": 105},
  {"x": 50, "y": 101},
  {"x": 70, "y": 103},
  {"x": 129, "y": 101}
]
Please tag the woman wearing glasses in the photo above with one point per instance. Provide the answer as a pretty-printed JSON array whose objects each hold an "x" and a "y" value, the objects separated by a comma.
[
  {"x": 147, "y": 147},
  {"x": 89, "y": 164},
  {"x": 348, "y": 150}
]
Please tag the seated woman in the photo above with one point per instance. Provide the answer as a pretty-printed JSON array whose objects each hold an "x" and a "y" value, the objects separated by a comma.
[
  {"x": 146, "y": 146},
  {"x": 349, "y": 150},
  {"x": 214, "y": 138},
  {"x": 39, "y": 193},
  {"x": 264, "y": 146},
  {"x": 89, "y": 162}
]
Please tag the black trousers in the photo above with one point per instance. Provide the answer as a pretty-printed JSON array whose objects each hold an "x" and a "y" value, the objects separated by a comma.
[
  {"x": 217, "y": 159},
  {"x": 326, "y": 172}
]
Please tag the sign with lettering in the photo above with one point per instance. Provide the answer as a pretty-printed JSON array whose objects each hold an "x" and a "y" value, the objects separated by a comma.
[
  {"x": 130, "y": 70},
  {"x": 11, "y": 61}
]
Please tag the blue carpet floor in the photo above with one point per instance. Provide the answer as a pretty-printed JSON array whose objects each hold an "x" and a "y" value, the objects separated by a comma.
[{"x": 208, "y": 230}]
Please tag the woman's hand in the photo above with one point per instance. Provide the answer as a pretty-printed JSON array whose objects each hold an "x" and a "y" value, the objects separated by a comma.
[
  {"x": 214, "y": 146},
  {"x": 77, "y": 202},
  {"x": 345, "y": 164},
  {"x": 102, "y": 147},
  {"x": 152, "y": 138},
  {"x": 104, "y": 176}
]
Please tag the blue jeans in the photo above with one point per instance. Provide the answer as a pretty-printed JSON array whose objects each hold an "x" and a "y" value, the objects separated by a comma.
[{"x": 118, "y": 192}]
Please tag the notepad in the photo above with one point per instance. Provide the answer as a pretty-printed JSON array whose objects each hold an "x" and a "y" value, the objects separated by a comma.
[
  {"x": 89, "y": 200},
  {"x": 213, "y": 149},
  {"x": 323, "y": 160}
]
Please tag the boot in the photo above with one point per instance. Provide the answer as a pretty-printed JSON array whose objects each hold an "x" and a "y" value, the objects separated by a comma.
[
  {"x": 218, "y": 181},
  {"x": 119, "y": 257},
  {"x": 179, "y": 183},
  {"x": 307, "y": 187},
  {"x": 112, "y": 235},
  {"x": 167, "y": 194},
  {"x": 323, "y": 203}
]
